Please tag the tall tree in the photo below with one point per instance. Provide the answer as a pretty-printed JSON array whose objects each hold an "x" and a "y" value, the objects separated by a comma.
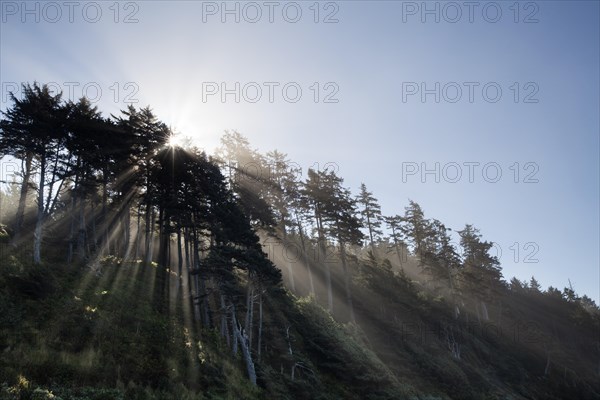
[
  {"x": 346, "y": 229},
  {"x": 394, "y": 224},
  {"x": 415, "y": 229},
  {"x": 85, "y": 130},
  {"x": 336, "y": 217},
  {"x": 480, "y": 274},
  {"x": 319, "y": 198},
  {"x": 441, "y": 258},
  {"x": 371, "y": 214},
  {"x": 34, "y": 128}
]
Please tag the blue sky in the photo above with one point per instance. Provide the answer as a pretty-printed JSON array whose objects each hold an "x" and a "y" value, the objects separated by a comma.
[{"x": 371, "y": 56}]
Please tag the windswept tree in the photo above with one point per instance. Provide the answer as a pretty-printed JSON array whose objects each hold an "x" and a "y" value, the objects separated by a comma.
[
  {"x": 394, "y": 224},
  {"x": 370, "y": 212},
  {"x": 33, "y": 128}
]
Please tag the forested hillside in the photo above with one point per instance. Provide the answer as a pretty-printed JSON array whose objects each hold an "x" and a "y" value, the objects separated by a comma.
[{"x": 133, "y": 265}]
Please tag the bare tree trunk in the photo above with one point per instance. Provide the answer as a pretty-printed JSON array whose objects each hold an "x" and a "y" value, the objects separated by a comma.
[{"x": 245, "y": 348}]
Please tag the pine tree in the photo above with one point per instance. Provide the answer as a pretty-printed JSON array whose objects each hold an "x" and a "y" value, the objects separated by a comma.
[
  {"x": 371, "y": 214},
  {"x": 317, "y": 198},
  {"x": 415, "y": 229},
  {"x": 336, "y": 218},
  {"x": 481, "y": 274},
  {"x": 534, "y": 285},
  {"x": 442, "y": 259},
  {"x": 394, "y": 224}
]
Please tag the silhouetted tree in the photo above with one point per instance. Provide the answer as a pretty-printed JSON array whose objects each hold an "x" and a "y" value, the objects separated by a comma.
[
  {"x": 371, "y": 214},
  {"x": 34, "y": 128}
]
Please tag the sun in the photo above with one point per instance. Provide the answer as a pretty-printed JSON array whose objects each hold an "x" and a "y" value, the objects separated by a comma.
[{"x": 176, "y": 140}]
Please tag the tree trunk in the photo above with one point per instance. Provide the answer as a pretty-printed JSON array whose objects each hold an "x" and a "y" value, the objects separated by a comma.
[
  {"x": 81, "y": 231},
  {"x": 37, "y": 234},
  {"x": 149, "y": 234},
  {"x": 245, "y": 349},
  {"x": 20, "y": 217},
  {"x": 249, "y": 314},
  {"x": 260, "y": 322},
  {"x": 138, "y": 233},
  {"x": 197, "y": 295},
  {"x": 325, "y": 263},
  {"x": 127, "y": 230},
  {"x": 224, "y": 328},
  {"x": 94, "y": 233},
  {"x": 163, "y": 253},
  {"x": 179, "y": 259},
  {"x": 51, "y": 183},
  {"x": 188, "y": 264},
  {"x": 370, "y": 228},
  {"x": 347, "y": 282},
  {"x": 305, "y": 259},
  {"x": 484, "y": 311},
  {"x": 71, "y": 229},
  {"x": 234, "y": 331},
  {"x": 105, "y": 233}
]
